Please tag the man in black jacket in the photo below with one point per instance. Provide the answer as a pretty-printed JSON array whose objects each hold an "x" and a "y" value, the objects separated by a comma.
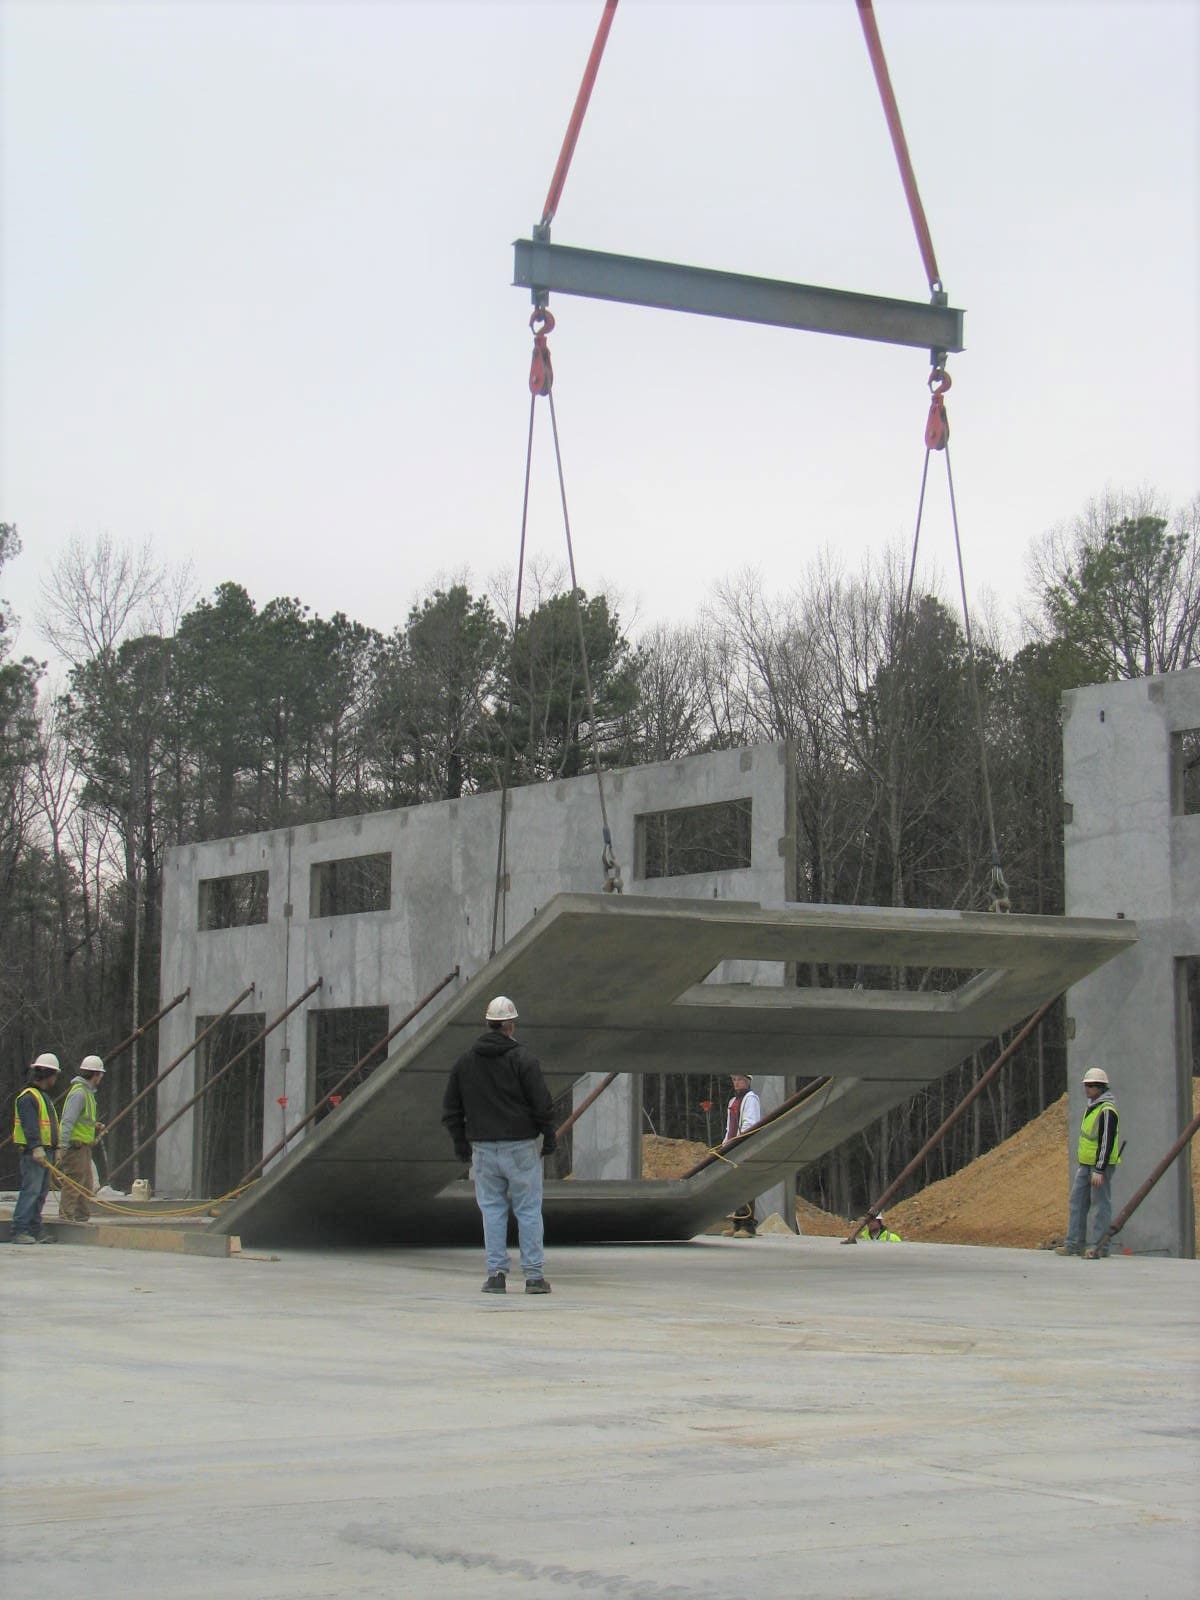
[{"x": 496, "y": 1103}]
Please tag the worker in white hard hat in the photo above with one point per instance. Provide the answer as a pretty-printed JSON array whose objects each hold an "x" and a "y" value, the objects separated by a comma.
[
  {"x": 35, "y": 1134},
  {"x": 743, "y": 1112},
  {"x": 495, "y": 1106},
  {"x": 877, "y": 1229},
  {"x": 1096, "y": 1154},
  {"x": 77, "y": 1140}
]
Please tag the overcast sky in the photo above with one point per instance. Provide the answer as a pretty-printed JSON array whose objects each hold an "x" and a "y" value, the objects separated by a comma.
[{"x": 257, "y": 299}]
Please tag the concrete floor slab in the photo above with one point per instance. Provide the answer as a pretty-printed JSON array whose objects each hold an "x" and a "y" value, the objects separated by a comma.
[
  {"x": 617, "y": 984},
  {"x": 686, "y": 1422}
]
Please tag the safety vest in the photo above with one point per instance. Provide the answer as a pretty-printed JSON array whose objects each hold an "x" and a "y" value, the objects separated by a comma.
[
  {"x": 884, "y": 1236},
  {"x": 84, "y": 1131},
  {"x": 47, "y": 1122},
  {"x": 1089, "y": 1135}
]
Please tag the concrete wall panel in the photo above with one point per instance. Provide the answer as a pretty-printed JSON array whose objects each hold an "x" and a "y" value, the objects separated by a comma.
[
  {"x": 1129, "y": 853},
  {"x": 443, "y": 871}
]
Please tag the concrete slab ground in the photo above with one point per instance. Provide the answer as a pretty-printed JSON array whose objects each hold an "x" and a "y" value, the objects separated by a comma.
[{"x": 771, "y": 1417}]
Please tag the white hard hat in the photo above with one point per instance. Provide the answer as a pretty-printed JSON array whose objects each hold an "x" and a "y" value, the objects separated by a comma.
[
  {"x": 501, "y": 1009},
  {"x": 1096, "y": 1075},
  {"x": 46, "y": 1062},
  {"x": 91, "y": 1064},
  {"x": 749, "y": 1076}
]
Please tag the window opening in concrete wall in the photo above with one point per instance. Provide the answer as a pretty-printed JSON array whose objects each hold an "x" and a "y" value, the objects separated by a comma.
[
  {"x": 894, "y": 980},
  {"x": 691, "y": 839},
  {"x": 680, "y": 1106},
  {"x": 336, "y": 1040},
  {"x": 229, "y": 1122},
  {"x": 843, "y": 976},
  {"x": 1185, "y": 762},
  {"x": 237, "y": 901},
  {"x": 1188, "y": 1000},
  {"x": 1191, "y": 989},
  {"x": 351, "y": 886}
]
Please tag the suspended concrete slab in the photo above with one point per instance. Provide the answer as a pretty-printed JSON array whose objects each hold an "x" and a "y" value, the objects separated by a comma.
[{"x": 618, "y": 984}]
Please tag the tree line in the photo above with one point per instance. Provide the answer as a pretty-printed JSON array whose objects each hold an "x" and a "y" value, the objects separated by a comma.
[{"x": 183, "y": 720}]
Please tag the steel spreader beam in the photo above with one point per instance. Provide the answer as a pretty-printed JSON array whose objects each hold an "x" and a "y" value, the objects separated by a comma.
[{"x": 597, "y": 275}]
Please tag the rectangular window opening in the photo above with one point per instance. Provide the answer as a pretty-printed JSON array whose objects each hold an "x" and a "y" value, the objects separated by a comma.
[
  {"x": 694, "y": 839},
  {"x": 891, "y": 980},
  {"x": 229, "y": 1129},
  {"x": 351, "y": 886},
  {"x": 238, "y": 901},
  {"x": 337, "y": 1039},
  {"x": 1185, "y": 761}
]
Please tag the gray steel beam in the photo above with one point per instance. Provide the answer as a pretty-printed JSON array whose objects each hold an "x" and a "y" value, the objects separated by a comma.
[{"x": 545, "y": 267}]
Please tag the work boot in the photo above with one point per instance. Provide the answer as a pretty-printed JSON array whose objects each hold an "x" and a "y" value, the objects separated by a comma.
[
  {"x": 23, "y": 1238},
  {"x": 45, "y": 1238},
  {"x": 1067, "y": 1250},
  {"x": 536, "y": 1286},
  {"x": 495, "y": 1284}
]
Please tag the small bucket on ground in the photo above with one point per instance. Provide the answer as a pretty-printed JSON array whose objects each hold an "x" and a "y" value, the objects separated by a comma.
[{"x": 140, "y": 1189}]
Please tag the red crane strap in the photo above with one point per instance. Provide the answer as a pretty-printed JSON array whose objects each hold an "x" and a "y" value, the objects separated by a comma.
[
  {"x": 866, "y": 15},
  {"x": 554, "y": 193}
]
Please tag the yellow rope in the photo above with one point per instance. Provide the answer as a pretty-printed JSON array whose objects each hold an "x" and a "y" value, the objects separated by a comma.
[{"x": 64, "y": 1178}]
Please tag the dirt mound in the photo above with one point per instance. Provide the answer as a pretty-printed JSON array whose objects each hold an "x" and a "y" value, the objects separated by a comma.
[
  {"x": 669, "y": 1158},
  {"x": 1015, "y": 1195}
]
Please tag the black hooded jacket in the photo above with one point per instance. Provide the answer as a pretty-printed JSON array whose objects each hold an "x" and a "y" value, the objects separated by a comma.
[{"x": 497, "y": 1093}]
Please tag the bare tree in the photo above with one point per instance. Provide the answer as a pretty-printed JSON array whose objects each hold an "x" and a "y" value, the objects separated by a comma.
[{"x": 96, "y": 595}]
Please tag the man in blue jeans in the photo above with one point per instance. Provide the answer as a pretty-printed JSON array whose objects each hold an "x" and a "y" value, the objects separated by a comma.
[
  {"x": 495, "y": 1106},
  {"x": 35, "y": 1134},
  {"x": 1097, "y": 1153}
]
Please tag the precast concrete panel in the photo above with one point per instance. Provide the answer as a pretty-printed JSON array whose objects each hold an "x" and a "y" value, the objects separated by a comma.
[
  {"x": 616, "y": 984},
  {"x": 443, "y": 872},
  {"x": 1131, "y": 852}
]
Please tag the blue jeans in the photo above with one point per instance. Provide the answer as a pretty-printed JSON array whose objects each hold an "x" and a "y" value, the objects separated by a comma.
[
  {"x": 1090, "y": 1210},
  {"x": 510, "y": 1172},
  {"x": 35, "y": 1186}
]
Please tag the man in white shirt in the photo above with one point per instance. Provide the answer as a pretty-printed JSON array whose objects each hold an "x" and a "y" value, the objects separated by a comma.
[{"x": 743, "y": 1112}]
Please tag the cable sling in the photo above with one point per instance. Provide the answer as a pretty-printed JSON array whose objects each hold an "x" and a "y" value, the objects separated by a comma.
[
  {"x": 612, "y": 873},
  {"x": 506, "y": 781}
]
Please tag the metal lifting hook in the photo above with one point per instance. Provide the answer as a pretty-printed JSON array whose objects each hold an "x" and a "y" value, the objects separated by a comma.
[
  {"x": 937, "y": 424},
  {"x": 541, "y": 372}
]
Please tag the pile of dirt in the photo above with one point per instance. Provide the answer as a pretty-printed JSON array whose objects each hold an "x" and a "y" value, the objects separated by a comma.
[
  {"x": 669, "y": 1158},
  {"x": 1015, "y": 1195}
]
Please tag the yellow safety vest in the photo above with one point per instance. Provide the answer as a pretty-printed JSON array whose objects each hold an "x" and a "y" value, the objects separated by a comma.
[
  {"x": 884, "y": 1236},
  {"x": 84, "y": 1131},
  {"x": 1089, "y": 1135},
  {"x": 47, "y": 1122}
]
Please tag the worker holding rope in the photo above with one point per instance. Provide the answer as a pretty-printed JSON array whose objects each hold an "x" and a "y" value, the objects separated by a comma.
[
  {"x": 77, "y": 1140},
  {"x": 35, "y": 1134},
  {"x": 743, "y": 1112}
]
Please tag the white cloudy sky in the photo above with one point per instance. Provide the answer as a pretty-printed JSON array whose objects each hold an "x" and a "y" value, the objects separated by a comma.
[{"x": 257, "y": 299}]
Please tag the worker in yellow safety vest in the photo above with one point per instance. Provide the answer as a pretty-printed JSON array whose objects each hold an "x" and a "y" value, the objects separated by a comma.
[
  {"x": 1096, "y": 1154},
  {"x": 77, "y": 1140},
  {"x": 35, "y": 1134},
  {"x": 877, "y": 1230}
]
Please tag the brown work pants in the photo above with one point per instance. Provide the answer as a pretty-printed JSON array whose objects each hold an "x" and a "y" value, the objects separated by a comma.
[{"x": 76, "y": 1163}]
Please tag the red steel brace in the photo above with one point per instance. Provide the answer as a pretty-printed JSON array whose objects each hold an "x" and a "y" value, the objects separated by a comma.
[
  {"x": 541, "y": 372},
  {"x": 937, "y": 424}
]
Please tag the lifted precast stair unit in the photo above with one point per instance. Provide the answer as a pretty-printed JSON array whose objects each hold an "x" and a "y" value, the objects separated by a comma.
[{"x": 618, "y": 984}]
